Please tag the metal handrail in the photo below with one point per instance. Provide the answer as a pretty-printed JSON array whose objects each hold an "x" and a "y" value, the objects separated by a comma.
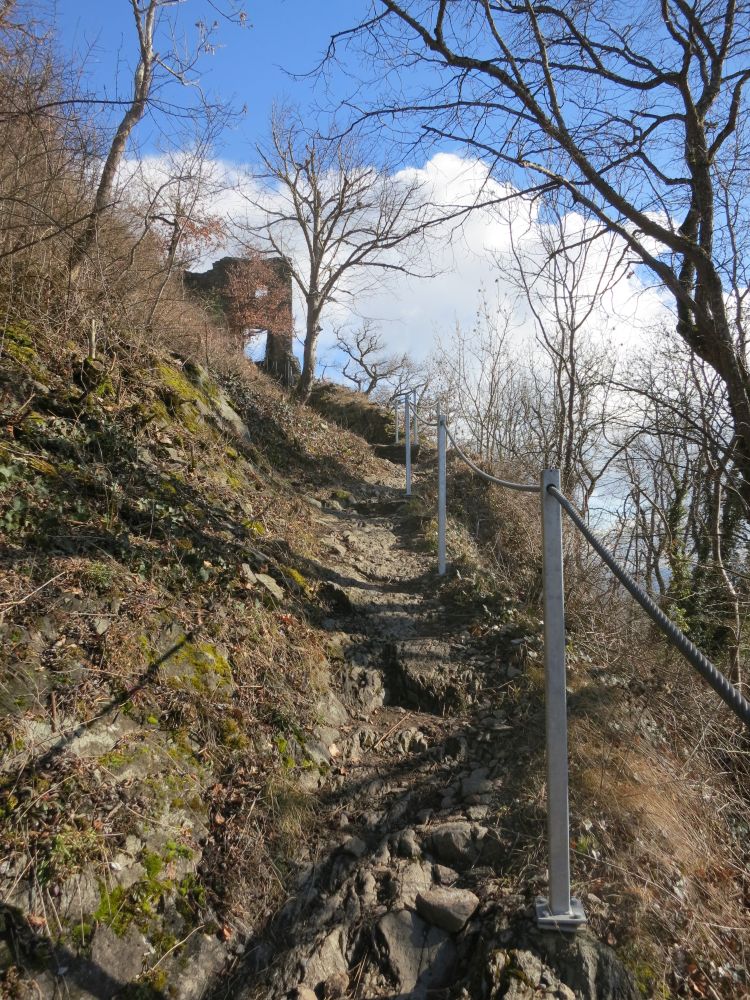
[
  {"x": 520, "y": 487},
  {"x": 711, "y": 674},
  {"x": 560, "y": 911}
]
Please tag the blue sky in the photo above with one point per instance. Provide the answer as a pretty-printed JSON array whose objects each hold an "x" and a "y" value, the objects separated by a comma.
[{"x": 251, "y": 65}]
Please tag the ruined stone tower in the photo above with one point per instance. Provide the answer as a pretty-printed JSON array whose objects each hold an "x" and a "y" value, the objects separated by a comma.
[{"x": 254, "y": 295}]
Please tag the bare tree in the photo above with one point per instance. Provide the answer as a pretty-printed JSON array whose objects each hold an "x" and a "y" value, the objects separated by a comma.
[
  {"x": 44, "y": 159},
  {"x": 173, "y": 65},
  {"x": 343, "y": 223},
  {"x": 368, "y": 363},
  {"x": 566, "y": 275},
  {"x": 477, "y": 379},
  {"x": 680, "y": 527},
  {"x": 411, "y": 376},
  {"x": 52, "y": 146},
  {"x": 178, "y": 191},
  {"x": 638, "y": 113},
  {"x": 145, "y": 22},
  {"x": 36, "y": 149}
]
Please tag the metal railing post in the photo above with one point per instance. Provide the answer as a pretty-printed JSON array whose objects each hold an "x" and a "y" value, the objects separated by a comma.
[
  {"x": 407, "y": 436},
  {"x": 560, "y": 911},
  {"x": 441, "y": 443}
]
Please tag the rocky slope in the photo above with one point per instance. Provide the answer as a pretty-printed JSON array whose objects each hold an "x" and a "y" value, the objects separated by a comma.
[
  {"x": 252, "y": 746},
  {"x": 159, "y": 581},
  {"x": 417, "y": 888}
]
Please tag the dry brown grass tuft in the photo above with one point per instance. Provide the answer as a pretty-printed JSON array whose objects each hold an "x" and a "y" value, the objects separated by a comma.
[{"x": 659, "y": 816}]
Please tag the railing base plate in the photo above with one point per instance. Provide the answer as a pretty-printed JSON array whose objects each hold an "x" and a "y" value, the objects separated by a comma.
[{"x": 569, "y": 922}]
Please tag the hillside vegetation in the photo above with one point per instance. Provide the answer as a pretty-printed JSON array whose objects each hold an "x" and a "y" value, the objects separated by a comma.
[
  {"x": 245, "y": 726},
  {"x": 159, "y": 648},
  {"x": 252, "y": 746}
]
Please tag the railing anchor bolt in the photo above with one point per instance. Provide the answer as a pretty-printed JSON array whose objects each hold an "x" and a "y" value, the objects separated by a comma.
[{"x": 566, "y": 922}]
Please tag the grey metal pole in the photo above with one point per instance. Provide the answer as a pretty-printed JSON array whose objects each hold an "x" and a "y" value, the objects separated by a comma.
[
  {"x": 441, "y": 443},
  {"x": 559, "y": 912},
  {"x": 416, "y": 419},
  {"x": 407, "y": 436}
]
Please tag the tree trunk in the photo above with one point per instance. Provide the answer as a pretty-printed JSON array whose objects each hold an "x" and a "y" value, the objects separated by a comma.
[
  {"x": 310, "y": 352},
  {"x": 174, "y": 242},
  {"x": 738, "y": 392},
  {"x": 716, "y": 347},
  {"x": 730, "y": 593},
  {"x": 142, "y": 81}
]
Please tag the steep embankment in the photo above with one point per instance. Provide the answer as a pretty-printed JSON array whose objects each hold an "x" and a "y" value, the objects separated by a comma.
[
  {"x": 159, "y": 576},
  {"x": 252, "y": 745},
  {"x": 206, "y": 604}
]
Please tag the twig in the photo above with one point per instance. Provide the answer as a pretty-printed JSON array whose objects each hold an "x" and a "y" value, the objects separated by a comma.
[
  {"x": 15, "y": 417},
  {"x": 22, "y": 600},
  {"x": 175, "y": 946},
  {"x": 393, "y": 728}
]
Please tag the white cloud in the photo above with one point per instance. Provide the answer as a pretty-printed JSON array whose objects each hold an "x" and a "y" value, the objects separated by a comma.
[{"x": 412, "y": 312}]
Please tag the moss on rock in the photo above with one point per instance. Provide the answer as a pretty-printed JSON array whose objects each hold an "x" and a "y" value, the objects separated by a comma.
[
  {"x": 199, "y": 667},
  {"x": 17, "y": 342}
]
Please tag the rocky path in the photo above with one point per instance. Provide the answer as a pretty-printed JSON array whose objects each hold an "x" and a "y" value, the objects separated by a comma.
[{"x": 418, "y": 885}]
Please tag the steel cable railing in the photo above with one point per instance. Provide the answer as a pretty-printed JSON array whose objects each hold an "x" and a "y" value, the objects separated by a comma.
[
  {"x": 424, "y": 422},
  {"x": 713, "y": 677},
  {"x": 521, "y": 487},
  {"x": 560, "y": 911}
]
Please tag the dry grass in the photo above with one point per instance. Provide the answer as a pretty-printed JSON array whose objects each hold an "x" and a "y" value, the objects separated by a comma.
[{"x": 659, "y": 812}]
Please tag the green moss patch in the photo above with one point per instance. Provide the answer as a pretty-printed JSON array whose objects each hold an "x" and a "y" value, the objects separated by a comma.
[
  {"x": 292, "y": 575},
  {"x": 178, "y": 384},
  {"x": 182, "y": 397},
  {"x": 17, "y": 342},
  {"x": 199, "y": 667}
]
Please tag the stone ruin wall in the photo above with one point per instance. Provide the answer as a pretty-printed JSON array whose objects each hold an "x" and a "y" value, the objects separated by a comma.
[{"x": 279, "y": 357}]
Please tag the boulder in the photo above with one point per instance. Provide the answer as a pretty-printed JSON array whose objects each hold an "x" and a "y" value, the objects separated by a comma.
[
  {"x": 191, "y": 968},
  {"x": 420, "y": 957},
  {"x": 327, "y": 958},
  {"x": 336, "y": 596},
  {"x": 519, "y": 962},
  {"x": 271, "y": 586},
  {"x": 354, "y": 846},
  {"x": 413, "y": 877},
  {"x": 447, "y": 908},
  {"x": 455, "y": 844},
  {"x": 425, "y": 675},
  {"x": 476, "y": 784},
  {"x": 364, "y": 687},
  {"x": 408, "y": 844},
  {"x": 591, "y": 969},
  {"x": 120, "y": 958},
  {"x": 303, "y": 993}
]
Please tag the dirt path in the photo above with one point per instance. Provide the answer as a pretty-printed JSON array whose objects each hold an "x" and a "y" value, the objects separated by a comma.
[{"x": 417, "y": 866}]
